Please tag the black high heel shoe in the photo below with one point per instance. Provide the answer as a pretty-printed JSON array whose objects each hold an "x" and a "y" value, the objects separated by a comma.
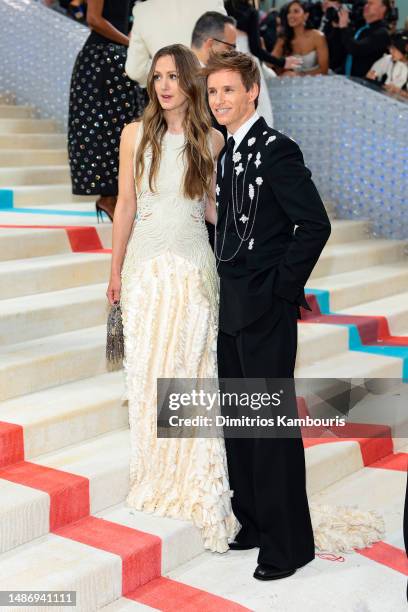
[{"x": 101, "y": 209}]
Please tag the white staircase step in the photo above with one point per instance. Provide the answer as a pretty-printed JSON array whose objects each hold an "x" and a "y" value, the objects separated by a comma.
[
  {"x": 33, "y": 141},
  {"x": 393, "y": 307},
  {"x": 343, "y": 257},
  {"x": 44, "y": 314},
  {"x": 352, "y": 364},
  {"x": 363, "y": 285},
  {"x": 49, "y": 219},
  {"x": 43, "y": 274},
  {"x": 94, "y": 574},
  {"x": 370, "y": 488},
  {"x": 103, "y": 460},
  {"x": 329, "y": 463},
  {"x": 319, "y": 585},
  {"x": 23, "y": 243},
  {"x": 9, "y": 111},
  {"x": 68, "y": 414},
  {"x": 37, "y": 195},
  {"x": 27, "y": 126},
  {"x": 77, "y": 206},
  {"x": 32, "y": 157},
  {"x": 319, "y": 341},
  {"x": 347, "y": 231},
  {"x": 385, "y": 404},
  {"x": 88, "y": 570},
  {"x": 38, "y": 364},
  {"x": 34, "y": 175},
  {"x": 123, "y": 604},
  {"x": 181, "y": 540}
]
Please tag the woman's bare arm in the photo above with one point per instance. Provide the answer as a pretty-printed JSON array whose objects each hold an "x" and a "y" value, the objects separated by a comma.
[
  {"x": 125, "y": 210},
  {"x": 210, "y": 208},
  {"x": 322, "y": 51},
  {"x": 101, "y": 25}
]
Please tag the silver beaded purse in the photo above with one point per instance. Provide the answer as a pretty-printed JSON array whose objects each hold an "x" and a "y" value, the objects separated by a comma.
[{"x": 115, "y": 349}]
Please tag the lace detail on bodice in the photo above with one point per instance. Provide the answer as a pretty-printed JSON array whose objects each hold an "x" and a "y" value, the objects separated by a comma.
[{"x": 166, "y": 220}]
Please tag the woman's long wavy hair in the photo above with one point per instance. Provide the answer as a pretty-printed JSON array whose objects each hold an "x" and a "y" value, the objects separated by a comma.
[
  {"x": 197, "y": 125},
  {"x": 288, "y": 31}
]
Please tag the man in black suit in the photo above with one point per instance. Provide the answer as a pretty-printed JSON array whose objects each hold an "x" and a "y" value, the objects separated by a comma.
[
  {"x": 263, "y": 191},
  {"x": 368, "y": 43}
]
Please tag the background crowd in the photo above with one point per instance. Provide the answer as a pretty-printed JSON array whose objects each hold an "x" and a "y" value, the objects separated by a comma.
[
  {"x": 357, "y": 39},
  {"x": 356, "y": 35}
]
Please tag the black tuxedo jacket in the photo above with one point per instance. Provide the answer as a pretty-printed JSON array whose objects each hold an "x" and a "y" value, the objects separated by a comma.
[{"x": 274, "y": 192}]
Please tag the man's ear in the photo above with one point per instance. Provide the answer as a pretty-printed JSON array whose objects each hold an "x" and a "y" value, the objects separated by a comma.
[
  {"x": 254, "y": 92},
  {"x": 208, "y": 44}
]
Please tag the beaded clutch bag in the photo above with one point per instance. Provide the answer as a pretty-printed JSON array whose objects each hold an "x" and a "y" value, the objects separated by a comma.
[{"x": 114, "y": 338}]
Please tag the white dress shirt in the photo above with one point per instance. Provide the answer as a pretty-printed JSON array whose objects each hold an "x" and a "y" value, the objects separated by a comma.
[{"x": 240, "y": 134}]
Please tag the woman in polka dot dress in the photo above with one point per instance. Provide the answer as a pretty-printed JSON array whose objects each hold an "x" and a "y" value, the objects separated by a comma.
[{"x": 102, "y": 101}]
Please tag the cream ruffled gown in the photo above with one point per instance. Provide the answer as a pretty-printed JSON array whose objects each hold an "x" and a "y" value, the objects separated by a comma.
[{"x": 169, "y": 299}]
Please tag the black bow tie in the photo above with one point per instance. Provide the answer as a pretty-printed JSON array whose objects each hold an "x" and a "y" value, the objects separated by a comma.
[{"x": 228, "y": 161}]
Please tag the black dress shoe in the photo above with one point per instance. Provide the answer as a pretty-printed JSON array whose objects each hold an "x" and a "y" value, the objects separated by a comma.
[
  {"x": 264, "y": 572},
  {"x": 238, "y": 546}
]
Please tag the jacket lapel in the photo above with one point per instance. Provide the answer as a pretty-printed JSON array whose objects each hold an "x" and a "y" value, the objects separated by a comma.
[{"x": 246, "y": 146}]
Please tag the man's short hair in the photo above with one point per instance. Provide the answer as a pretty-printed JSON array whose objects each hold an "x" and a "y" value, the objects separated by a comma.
[
  {"x": 387, "y": 5},
  {"x": 210, "y": 25},
  {"x": 236, "y": 62}
]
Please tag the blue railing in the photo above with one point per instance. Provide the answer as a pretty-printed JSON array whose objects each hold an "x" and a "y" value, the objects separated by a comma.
[{"x": 38, "y": 48}]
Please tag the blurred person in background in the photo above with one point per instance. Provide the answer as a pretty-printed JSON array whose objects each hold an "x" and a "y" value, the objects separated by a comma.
[
  {"x": 392, "y": 69},
  {"x": 249, "y": 41},
  {"x": 329, "y": 26},
  {"x": 393, "y": 16},
  {"x": 367, "y": 44},
  {"x": 102, "y": 101},
  {"x": 300, "y": 39},
  {"x": 73, "y": 8},
  {"x": 247, "y": 17},
  {"x": 269, "y": 29},
  {"x": 158, "y": 23},
  {"x": 213, "y": 33}
]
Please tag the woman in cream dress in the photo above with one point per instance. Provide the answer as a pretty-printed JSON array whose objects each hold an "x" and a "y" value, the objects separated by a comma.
[{"x": 164, "y": 273}]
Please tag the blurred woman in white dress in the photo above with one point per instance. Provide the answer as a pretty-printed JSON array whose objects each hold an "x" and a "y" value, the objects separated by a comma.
[
  {"x": 164, "y": 274},
  {"x": 302, "y": 42}
]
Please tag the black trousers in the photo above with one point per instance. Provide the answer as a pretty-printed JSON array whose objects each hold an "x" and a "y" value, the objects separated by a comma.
[{"x": 268, "y": 475}]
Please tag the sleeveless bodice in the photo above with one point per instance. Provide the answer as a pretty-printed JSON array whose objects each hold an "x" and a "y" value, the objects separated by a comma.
[
  {"x": 309, "y": 61},
  {"x": 167, "y": 221}
]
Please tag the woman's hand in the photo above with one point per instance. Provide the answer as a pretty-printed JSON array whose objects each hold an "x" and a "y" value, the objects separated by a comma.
[
  {"x": 344, "y": 18},
  {"x": 292, "y": 62},
  {"x": 113, "y": 291},
  {"x": 392, "y": 88}
]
